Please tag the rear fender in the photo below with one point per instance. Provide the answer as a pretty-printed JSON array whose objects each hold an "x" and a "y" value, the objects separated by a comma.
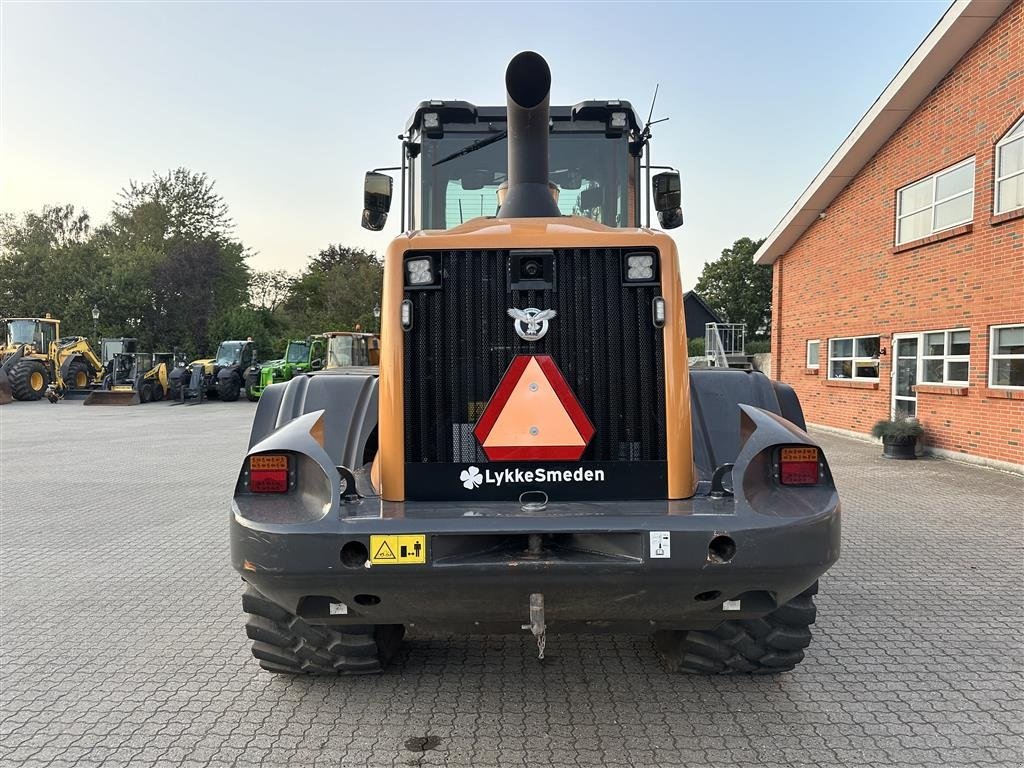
[
  {"x": 318, "y": 490},
  {"x": 762, "y": 433},
  {"x": 716, "y": 396},
  {"x": 350, "y": 405}
]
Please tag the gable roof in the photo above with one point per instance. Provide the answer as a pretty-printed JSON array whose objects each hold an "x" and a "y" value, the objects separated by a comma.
[
  {"x": 693, "y": 296},
  {"x": 960, "y": 27}
]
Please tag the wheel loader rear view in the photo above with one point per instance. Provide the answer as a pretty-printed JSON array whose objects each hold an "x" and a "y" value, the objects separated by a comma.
[{"x": 535, "y": 455}]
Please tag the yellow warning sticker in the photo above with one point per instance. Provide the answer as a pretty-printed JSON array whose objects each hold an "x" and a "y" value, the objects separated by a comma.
[
  {"x": 800, "y": 454},
  {"x": 405, "y": 549}
]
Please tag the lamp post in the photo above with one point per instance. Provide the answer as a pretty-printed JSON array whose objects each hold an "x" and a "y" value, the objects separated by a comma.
[
  {"x": 96, "y": 323},
  {"x": 376, "y": 316}
]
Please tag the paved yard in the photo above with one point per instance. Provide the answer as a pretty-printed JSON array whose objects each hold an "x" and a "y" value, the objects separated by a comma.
[{"x": 121, "y": 636}]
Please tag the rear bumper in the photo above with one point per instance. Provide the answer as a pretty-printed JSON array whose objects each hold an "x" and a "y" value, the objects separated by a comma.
[{"x": 595, "y": 568}]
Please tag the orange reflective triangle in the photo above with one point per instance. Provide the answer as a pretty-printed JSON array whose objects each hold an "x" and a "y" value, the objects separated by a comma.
[{"x": 533, "y": 415}]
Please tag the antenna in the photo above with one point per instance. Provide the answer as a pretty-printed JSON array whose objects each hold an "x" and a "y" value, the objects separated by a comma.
[{"x": 645, "y": 141}]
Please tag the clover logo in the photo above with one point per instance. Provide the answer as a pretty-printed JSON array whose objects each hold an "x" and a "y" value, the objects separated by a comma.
[{"x": 471, "y": 478}]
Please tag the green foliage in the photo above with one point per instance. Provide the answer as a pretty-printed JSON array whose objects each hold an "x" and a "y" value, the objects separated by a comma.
[
  {"x": 758, "y": 347},
  {"x": 696, "y": 348},
  {"x": 337, "y": 291},
  {"x": 738, "y": 289},
  {"x": 897, "y": 428}
]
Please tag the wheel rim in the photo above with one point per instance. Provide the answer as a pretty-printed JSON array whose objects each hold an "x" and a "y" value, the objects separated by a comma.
[
  {"x": 80, "y": 379},
  {"x": 36, "y": 381}
]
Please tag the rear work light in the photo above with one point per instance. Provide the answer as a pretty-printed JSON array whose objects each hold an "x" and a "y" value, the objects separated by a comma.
[
  {"x": 268, "y": 473},
  {"x": 799, "y": 466}
]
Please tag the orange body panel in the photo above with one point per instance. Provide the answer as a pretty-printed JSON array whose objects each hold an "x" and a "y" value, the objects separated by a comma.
[{"x": 564, "y": 232}]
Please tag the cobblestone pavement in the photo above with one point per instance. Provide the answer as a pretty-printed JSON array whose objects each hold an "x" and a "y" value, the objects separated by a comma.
[{"x": 122, "y": 643}]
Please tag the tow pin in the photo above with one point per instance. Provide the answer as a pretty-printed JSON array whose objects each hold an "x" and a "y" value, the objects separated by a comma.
[{"x": 536, "y": 625}]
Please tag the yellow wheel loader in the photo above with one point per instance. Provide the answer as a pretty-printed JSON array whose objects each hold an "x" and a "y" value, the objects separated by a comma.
[{"x": 49, "y": 366}]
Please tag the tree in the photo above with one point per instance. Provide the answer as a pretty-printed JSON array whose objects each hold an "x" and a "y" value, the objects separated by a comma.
[
  {"x": 188, "y": 205},
  {"x": 738, "y": 289},
  {"x": 337, "y": 291},
  {"x": 269, "y": 289},
  {"x": 177, "y": 267},
  {"x": 49, "y": 262}
]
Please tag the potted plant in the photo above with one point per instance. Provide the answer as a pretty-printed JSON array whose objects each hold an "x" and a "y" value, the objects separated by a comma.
[{"x": 899, "y": 437}]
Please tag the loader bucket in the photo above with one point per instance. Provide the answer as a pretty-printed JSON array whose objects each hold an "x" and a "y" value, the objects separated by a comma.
[
  {"x": 6, "y": 391},
  {"x": 112, "y": 397}
]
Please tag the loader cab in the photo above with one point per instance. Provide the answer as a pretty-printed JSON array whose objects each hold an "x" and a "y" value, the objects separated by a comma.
[
  {"x": 455, "y": 163},
  {"x": 231, "y": 353},
  {"x": 111, "y": 347},
  {"x": 345, "y": 350},
  {"x": 36, "y": 332}
]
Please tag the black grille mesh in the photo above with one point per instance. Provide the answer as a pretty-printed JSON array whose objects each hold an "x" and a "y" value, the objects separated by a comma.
[{"x": 602, "y": 340}]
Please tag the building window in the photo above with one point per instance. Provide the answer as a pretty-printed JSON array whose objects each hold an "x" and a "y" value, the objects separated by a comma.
[
  {"x": 1010, "y": 169},
  {"x": 942, "y": 201},
  {"x": 813, "y": 346},
  {"x": 853, "y": 358},
  {"x": 1006, "y": 357},
  {"x": 946, "y": 358}
]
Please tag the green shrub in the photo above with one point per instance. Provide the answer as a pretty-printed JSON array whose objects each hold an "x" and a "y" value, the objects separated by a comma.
[
  {"x": 758, "y": 347},
  {"x": 696, "y": 347},
  {"x": 897, "y": 428}
]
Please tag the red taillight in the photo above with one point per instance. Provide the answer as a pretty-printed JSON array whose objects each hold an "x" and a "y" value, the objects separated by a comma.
[
  {"x": 798, "y": 466},
  {"x": 268, "y": 473}
]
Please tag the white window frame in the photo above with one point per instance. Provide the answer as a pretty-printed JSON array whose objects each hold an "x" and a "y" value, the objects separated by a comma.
[
  {"x": 1007, "y": 140},
  {"x": 807, "y": 357},
  {"x": 993, "y": 357},
  {"x": 901, "y": 214},
  {"x": 946, "y": 359},
  {"x": 854, "y": 359}
]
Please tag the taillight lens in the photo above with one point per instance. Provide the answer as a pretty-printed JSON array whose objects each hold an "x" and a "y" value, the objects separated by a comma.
[
  {"x": 268, "y": 473},
  {"x": 799, "y": 466}
]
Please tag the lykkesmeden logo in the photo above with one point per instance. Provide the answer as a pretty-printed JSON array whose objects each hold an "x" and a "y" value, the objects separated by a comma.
[{"x": 472, "y": 478}]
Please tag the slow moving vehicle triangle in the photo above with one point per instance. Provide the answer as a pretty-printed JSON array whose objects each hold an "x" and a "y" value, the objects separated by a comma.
[{"x": 533, "y": 415}]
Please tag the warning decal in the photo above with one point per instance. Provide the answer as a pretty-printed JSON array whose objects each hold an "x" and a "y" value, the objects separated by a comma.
[{"x": 405, "y": 549}]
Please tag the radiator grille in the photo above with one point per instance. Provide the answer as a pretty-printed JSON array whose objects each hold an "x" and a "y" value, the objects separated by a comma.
[{"x": 602, "y": 339}]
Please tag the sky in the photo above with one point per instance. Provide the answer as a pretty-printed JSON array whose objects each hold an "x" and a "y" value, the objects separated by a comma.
[{"x": 286, "y": 105}]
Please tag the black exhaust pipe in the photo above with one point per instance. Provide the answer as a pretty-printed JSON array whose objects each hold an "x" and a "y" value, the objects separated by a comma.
[{"x": 528, "y": 82}]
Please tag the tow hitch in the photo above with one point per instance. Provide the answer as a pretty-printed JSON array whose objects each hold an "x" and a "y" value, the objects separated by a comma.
[{"x": 536, "y": 625}]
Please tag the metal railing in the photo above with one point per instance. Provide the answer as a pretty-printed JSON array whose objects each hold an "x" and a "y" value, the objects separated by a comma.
[{"x": 724, "y": 340}]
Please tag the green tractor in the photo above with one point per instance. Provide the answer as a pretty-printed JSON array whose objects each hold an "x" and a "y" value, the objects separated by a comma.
[{"x": 301, "y": 356}]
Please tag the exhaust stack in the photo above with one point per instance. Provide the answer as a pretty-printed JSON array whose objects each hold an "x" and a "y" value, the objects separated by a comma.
[{"x": 528, "y": 83}]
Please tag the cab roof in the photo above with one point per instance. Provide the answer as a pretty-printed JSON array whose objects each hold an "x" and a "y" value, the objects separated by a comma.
[{"x": 466, "y": 113}]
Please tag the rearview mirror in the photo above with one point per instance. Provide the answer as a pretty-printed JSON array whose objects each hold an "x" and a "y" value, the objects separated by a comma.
[
  {"x": 376, "y": 200},
  {"x": 668, "y": 199}
]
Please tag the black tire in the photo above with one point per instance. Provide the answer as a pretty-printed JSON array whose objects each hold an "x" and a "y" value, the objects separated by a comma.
[
  {"x": 762, "y": 646},
  {"x": 252, "y": 398},
  {"x": 228, "y": 388},
  {"x": 145, "y": 392},
  {"x": 79, "y": 375},
  {"x": 25, "y": 378},
  {"x": 157, "y": 392},
  {"x": 286, "y": 644}
]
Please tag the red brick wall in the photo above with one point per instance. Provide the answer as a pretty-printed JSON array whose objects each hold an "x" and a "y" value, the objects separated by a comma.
[{"x": 845, "y": 278}]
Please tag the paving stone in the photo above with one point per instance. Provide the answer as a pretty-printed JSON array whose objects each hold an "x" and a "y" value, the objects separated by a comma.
[{"x": 122, "y": 644}]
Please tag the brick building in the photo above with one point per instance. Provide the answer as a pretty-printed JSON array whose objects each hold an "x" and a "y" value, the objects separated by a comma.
[{"x": 898, "y": 282}]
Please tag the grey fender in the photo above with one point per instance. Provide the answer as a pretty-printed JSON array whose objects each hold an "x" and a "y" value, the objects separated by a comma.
[
  {"x": 715, "y": 397},
  {"x": 350, "y": 421}
]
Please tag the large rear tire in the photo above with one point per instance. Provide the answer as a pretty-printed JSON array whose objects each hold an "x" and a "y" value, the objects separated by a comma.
[
  {"x": 228, "y": 388},
  {"x": 765, "y": 646},
  {"x": 284, "y": 643},
  {"x": 79, "y": 375},
  {"x": 29, "y": 380}
]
